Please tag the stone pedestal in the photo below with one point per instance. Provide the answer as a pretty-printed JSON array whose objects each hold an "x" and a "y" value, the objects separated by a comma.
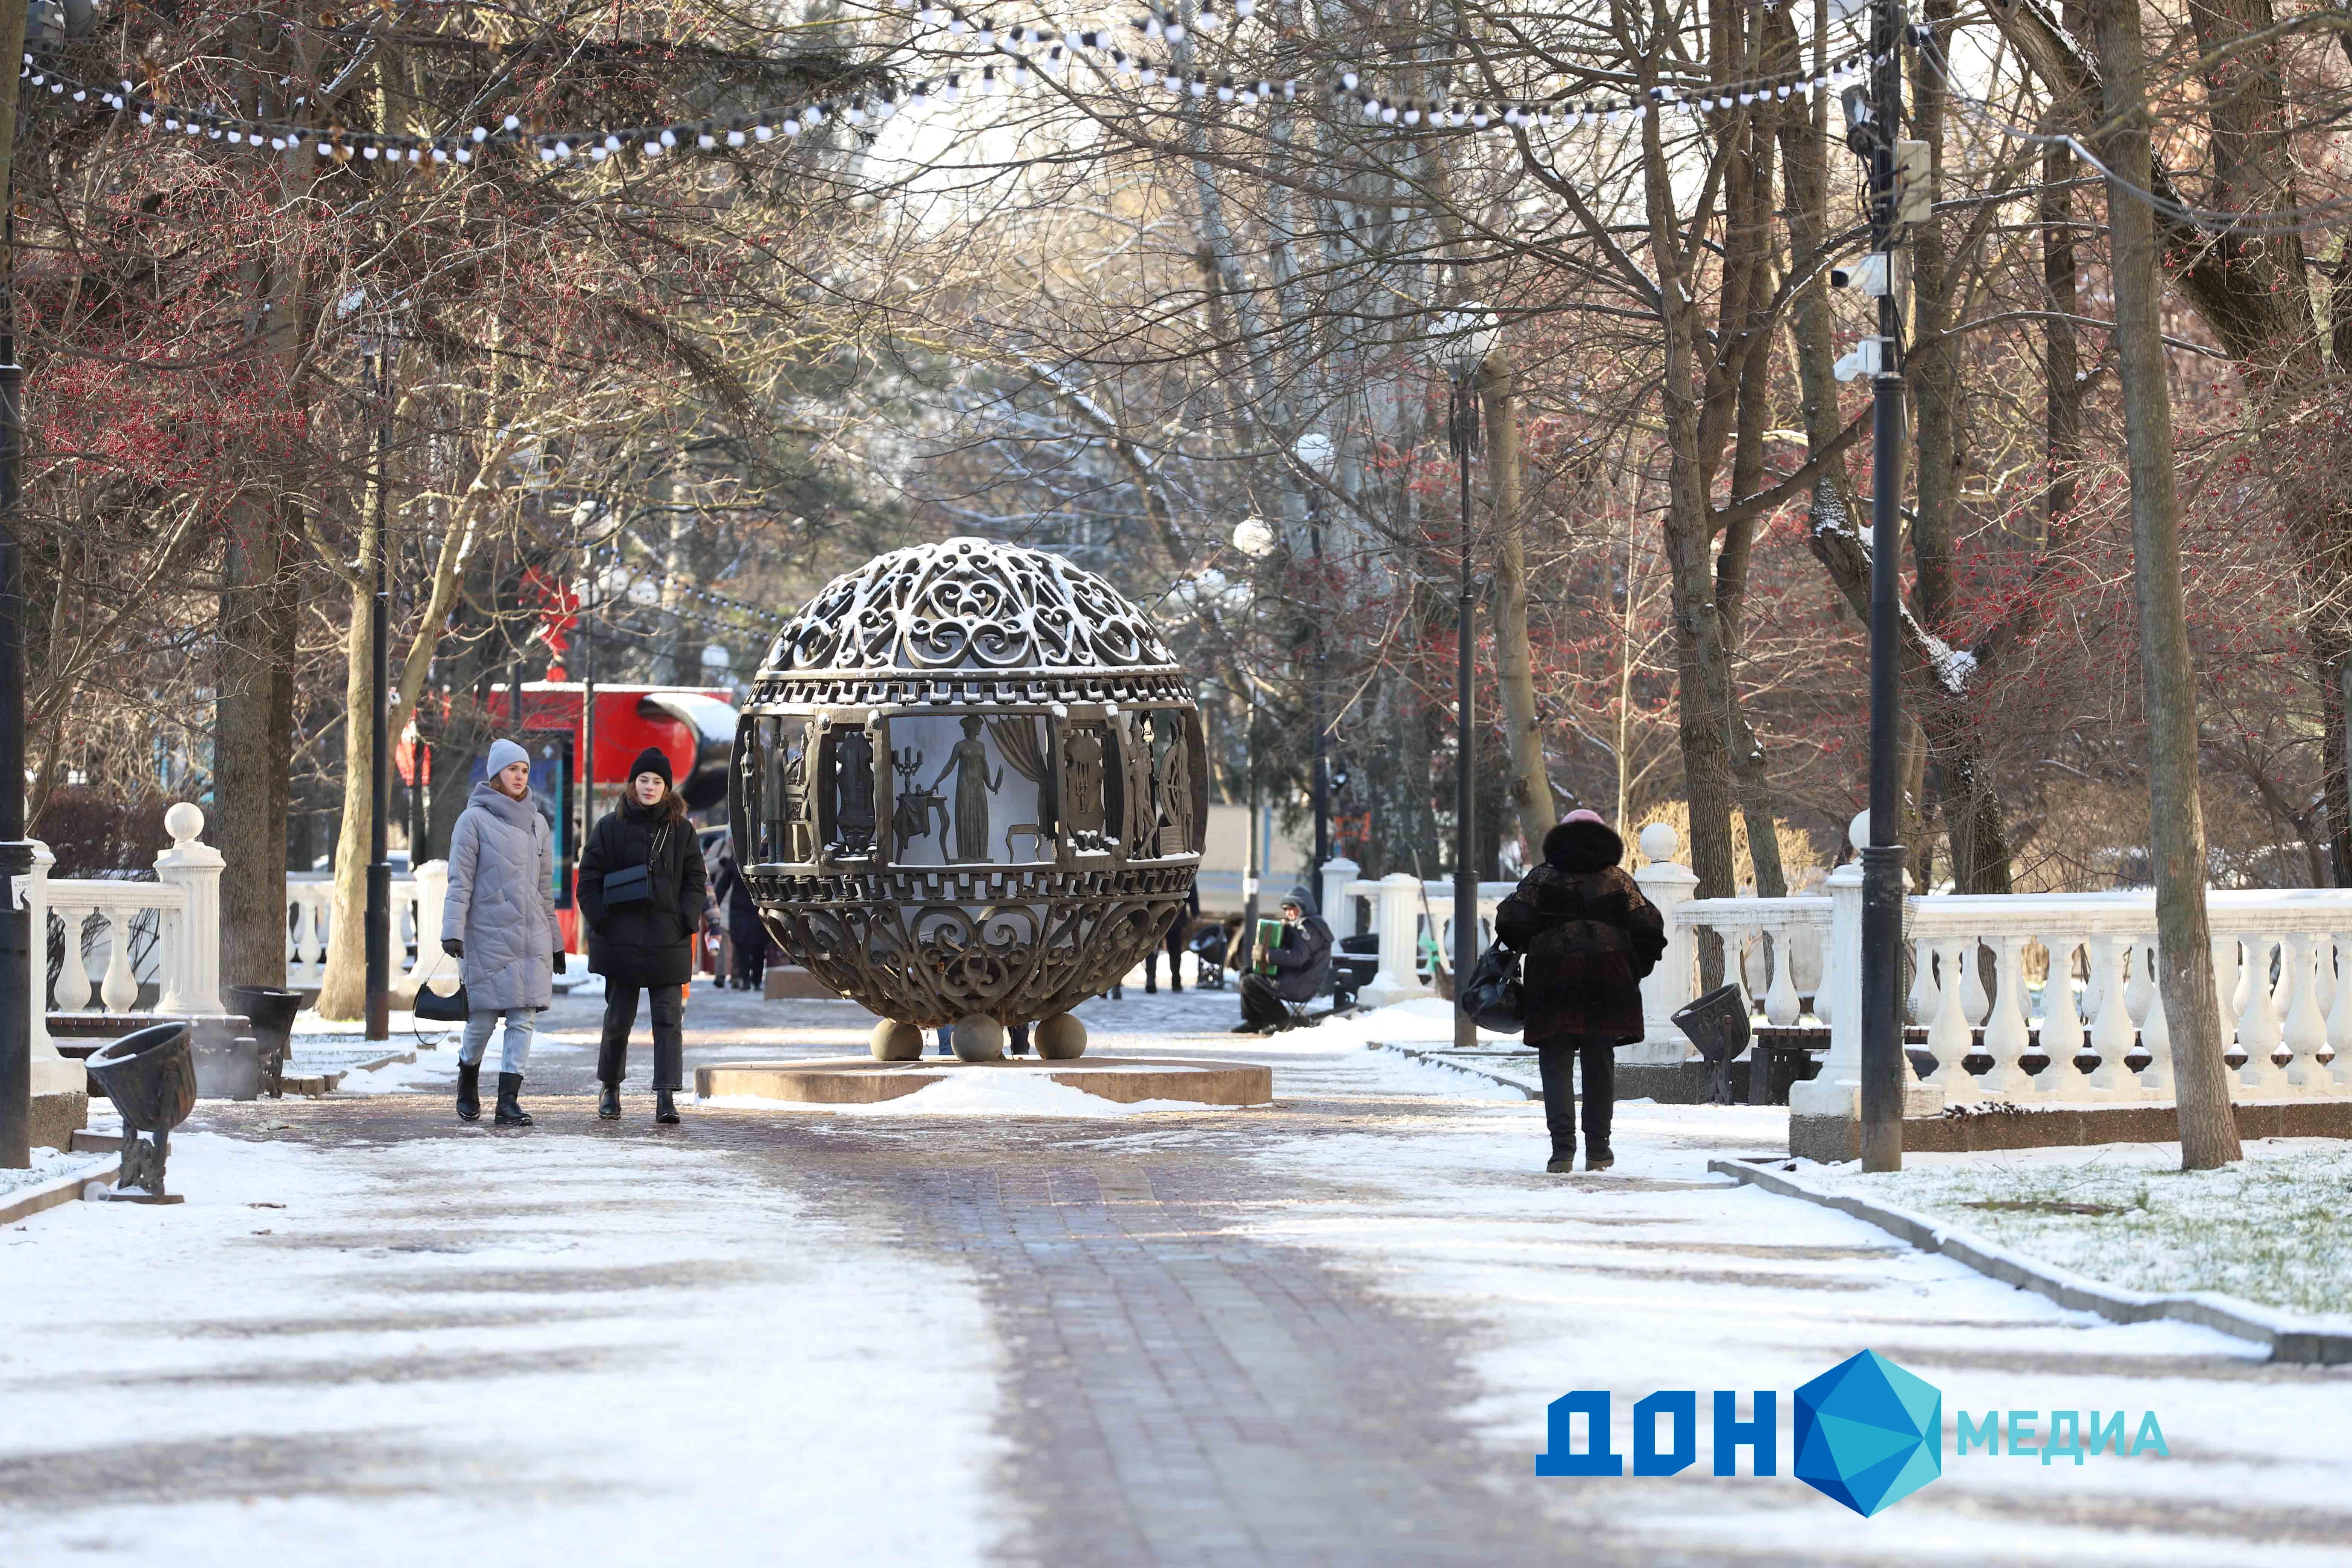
[
  {"x": 790, "y": 982},
  {"x": 57, "y": 1117}
]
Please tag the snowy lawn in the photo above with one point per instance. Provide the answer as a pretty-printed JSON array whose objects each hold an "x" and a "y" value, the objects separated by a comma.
[
  {"x": 49, "y": 1165},
  {"x": 2271, "y": 1229}
]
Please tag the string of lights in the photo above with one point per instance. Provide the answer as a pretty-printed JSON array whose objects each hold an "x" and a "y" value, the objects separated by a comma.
[{"x": 1054, "y": 52}]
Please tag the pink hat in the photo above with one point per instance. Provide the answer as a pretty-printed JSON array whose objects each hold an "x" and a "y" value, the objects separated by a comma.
[{"x": 1581, "y": 814}]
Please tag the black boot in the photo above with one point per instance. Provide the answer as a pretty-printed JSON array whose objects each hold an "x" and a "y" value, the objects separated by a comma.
[
  {"x": 608, "y": 1103},
  {"x": 664, "y": 1111},
  {"x": 511, "y": 1113},
  {"x": 469, "y": 1091},
  {"x": 1561, "y": 1165}
]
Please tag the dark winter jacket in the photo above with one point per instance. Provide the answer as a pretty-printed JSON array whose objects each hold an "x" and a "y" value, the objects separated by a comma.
[
  {"x": 734, "y": 895},
  {"x": 1302, "y": 964},
  {"x": 650, "y": 941},
  {"x": 1589, "y": 935}
]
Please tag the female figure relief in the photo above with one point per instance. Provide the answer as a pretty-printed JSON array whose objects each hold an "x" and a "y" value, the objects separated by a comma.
[{"x": 968, "y": 760}]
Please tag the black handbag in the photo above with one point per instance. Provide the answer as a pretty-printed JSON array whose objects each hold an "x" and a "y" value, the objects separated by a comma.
[
  {"x": 435, "y": 1008},
  {"x": 1492, "y": 998}
]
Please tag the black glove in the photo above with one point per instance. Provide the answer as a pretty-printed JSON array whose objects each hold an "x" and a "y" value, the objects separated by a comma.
[
  {"x": 453, "y": 947},
  {"x": 558, "y": 957}
]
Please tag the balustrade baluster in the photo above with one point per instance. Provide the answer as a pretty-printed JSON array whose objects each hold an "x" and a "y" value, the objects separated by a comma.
[
  {"x": 2136, "y": 987},
  {"x": 1780, "y": 1004},
  {"x": 2323, "y": 946},
  {"x": 2225, "y": 986},
  {"x": 315, "y": 914},
  {"x": 1975, "y": 996},
  {"x": 2258, "y": 1025},
  {"x": 2006, "y": 1034},
  {"x": 2156, "y": 1035},
  {"x": 120, "y": 989},
  {"x": 1924, "y": 993},
  {"x": 2112, "y": 1031},
  {"x": 73, "y": 975},
  {"x": 2062, "y": 1023},
  {"x": 1949, "y": 1038},
  {"x": 2304, "y": 1030},
  {"x": 2339, "y": 1017}
]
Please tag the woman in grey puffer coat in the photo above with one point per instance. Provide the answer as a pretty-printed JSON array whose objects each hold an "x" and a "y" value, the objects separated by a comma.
[{"x": 499, "y": 923}]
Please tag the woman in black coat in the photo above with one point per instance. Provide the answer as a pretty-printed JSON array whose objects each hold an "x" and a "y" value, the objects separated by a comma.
[
  {"x": 641, "y": 931},
  {"x": 1589, "y": 938}
]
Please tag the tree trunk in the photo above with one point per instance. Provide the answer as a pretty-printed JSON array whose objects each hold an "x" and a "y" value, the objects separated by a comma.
[
  {"x": 253, "y": 743},
  {"x": 1530, "y": 785},
  {"x": 2209, "y": 1133},
  {"x": 342, "y": 989}
]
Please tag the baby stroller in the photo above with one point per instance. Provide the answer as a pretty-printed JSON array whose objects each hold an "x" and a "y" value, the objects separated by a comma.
[{"x": 1207, "y": 947}]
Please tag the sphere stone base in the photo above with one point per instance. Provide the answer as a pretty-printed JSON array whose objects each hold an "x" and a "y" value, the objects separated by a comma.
[
  {"x": 977, "y": 1038},
  {"x": 896, "y": 1042},
  {"x": 860, "y": 1080}
]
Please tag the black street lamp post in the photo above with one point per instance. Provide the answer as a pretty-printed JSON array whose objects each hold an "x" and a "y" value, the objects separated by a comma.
[
  {"x": 1873, "y": 122},
  {"x": 379, "y": 870},
  {"x": 1464, "y": 338}
]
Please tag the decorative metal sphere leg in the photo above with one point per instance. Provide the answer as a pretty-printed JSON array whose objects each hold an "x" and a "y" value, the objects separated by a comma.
[
  {"x": 893, "y": 1041},
  {"x": 1061, "y": 1038},
  {"x": 978, "y": 1039}
]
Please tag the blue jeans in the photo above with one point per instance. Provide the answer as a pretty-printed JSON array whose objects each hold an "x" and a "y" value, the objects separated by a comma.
[{"x": 516, "y": 1050}]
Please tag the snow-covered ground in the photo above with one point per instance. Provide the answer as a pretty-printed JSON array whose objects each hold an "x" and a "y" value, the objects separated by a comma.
[
  {"x": 49, "y": 1165},
  {"x": 524, "y": 1348},
  {"x": 484, "y": 1351},
  {"x": 2271, "y": 1229},
  {"x": 1658, "y": 1276}
]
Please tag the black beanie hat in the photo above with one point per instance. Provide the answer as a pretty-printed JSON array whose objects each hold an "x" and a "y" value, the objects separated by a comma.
[{"x": 653, "y": 760}]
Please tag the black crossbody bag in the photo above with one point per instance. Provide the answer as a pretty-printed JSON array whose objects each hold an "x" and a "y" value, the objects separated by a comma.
[{"x": 635, "y": 884}]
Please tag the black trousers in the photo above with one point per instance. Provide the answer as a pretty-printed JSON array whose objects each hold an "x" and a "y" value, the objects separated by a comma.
[
  {"x": 751, "y": 945},
  {"x": 669, "y": 1034},
  {"x": 1176, "y": 934},
  {"x": 1261, "y": 1004},
  {"x": 1598, "y": 1059}
]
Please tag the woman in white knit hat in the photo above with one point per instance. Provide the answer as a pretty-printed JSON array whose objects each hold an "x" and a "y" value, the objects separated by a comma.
[{"x": 499, "y": 923}]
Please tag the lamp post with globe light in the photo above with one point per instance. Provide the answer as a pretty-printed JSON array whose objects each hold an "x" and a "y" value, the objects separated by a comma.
[
  {"x": 1459, "y": 341},
  {"x": 1254, "y": 538},
  {"x": 1316, "y": 450}
]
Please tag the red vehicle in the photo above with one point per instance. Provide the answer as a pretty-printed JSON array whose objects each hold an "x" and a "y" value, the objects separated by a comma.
[{"x": 695, "y": 726}]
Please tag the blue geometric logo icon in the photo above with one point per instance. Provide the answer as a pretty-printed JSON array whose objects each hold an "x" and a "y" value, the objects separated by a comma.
[{"x": 1869, "y": 1434}]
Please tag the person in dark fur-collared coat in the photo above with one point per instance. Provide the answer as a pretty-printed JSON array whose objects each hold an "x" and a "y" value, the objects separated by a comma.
[{"x": 1588, "y": 937}]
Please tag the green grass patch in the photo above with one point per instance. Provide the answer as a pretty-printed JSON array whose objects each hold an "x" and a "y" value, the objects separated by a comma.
[{"x": 2275, "y": 1228}]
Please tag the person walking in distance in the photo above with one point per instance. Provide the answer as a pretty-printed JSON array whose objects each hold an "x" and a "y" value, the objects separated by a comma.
[
  {"x": 745, "y": 934},
  {"x": 1179, "y": 932},
  {"x": 1588, "y": 937},
  {"x": 498, "y": 923},
  {"x": 641, "y": 888}
]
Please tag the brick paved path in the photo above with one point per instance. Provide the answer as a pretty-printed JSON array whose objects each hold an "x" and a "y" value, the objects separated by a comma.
[{"x": 1176, "y": 1393}]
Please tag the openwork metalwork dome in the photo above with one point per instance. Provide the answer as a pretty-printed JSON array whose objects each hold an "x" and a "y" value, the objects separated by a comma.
[{"x": 969, "y": 783}]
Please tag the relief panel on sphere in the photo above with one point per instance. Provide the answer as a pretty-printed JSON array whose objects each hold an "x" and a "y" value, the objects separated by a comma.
[{"x": 970, "y": 788}]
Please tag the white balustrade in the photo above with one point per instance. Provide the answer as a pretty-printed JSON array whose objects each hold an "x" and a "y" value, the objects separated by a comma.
[
  {"x": 173, "y": 922},
  {"x": 1968, "y": 987},
  {"x": 310, "y": 925}
]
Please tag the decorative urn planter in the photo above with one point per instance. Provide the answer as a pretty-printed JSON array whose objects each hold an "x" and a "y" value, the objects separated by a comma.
[{"x": 970, "y": 785}]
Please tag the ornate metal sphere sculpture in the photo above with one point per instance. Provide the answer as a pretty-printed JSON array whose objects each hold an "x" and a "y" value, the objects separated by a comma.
[{"x": 970, "y": 786}]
